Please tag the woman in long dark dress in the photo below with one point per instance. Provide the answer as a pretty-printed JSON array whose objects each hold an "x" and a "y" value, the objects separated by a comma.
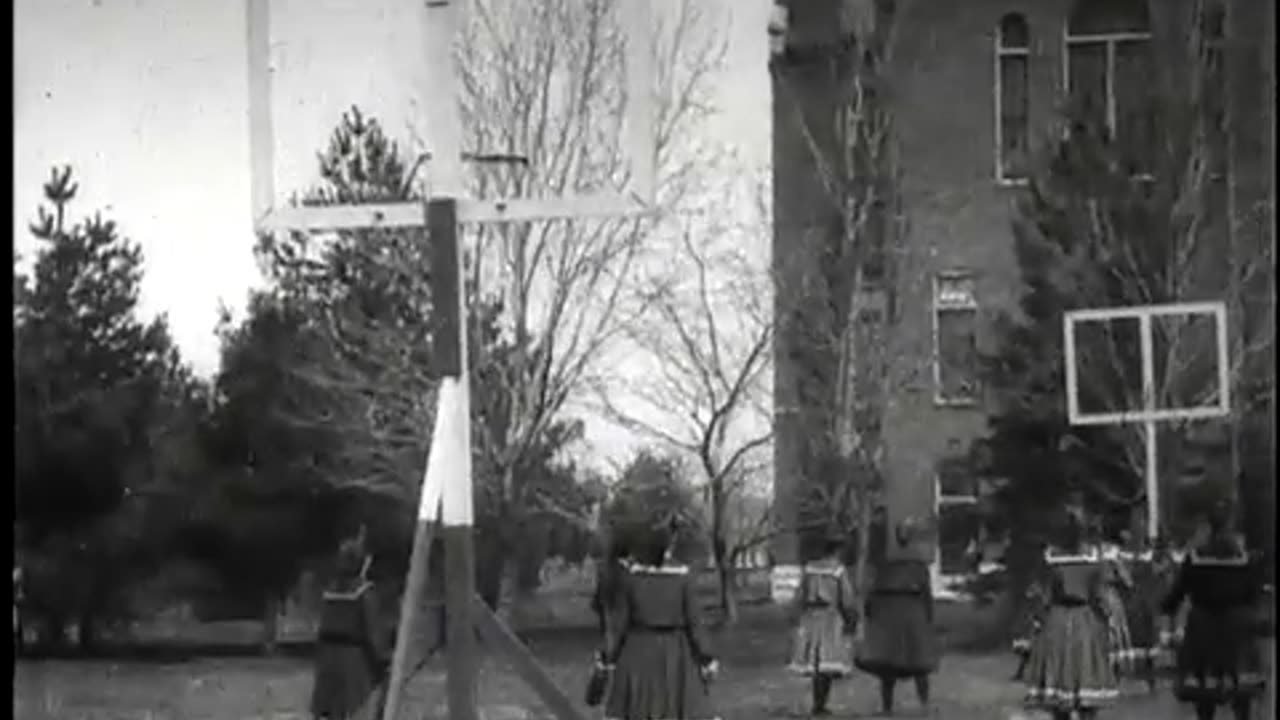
[
  {"x": 351, "y": 650},
  {"x": 1069, "y": 668},
  {"x": 899, "y": 640},
  {"x": 655, "y": 641},
  {"x": 1219, "y": 661},
  {"x": 609, "y": 573},
  {"x": 824, "y": 613},
  {"x": 1142, "y": 608}
]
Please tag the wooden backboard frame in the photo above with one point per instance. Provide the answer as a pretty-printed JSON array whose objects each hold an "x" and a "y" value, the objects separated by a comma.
[
  {"x": 1144, "y": 315},
  {"x": 444, "y": 19}
]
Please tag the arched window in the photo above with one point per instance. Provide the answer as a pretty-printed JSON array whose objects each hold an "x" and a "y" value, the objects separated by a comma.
[
  {"x": 1013, "y": 106},
  {"x": 1108, "y": 73}
]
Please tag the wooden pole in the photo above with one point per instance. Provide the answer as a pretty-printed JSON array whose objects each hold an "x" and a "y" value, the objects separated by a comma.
[
  {"x": 261, "y": 132},
  {"x": 441, "y": 19},
  {"x": 454, "y": 444},
  {"x": 415, "y": 586},
  {"x": 640, "y": 105},
  {"x": 1150, "y": 439},
  {"x": 499, "y": 637}
]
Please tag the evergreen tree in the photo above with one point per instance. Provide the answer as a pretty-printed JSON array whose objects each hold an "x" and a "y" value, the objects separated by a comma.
[
  {"x": 91, "y": 383},
  {"x": 1112, "y": 222},
  {"x": 327, "y": 389},
  {"x": 654, "y": 490}
]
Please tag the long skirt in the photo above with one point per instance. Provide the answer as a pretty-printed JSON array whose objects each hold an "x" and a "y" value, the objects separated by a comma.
[
  {"x": 1069, "y": 667},
  {"x": 1219, "y": 660},
  {"x": 657, "y": 678},
  {"x": 1142, "y": 611},
  {"x": 1119, "y": 641},
  {"x": 345, "y": 683},
  {"x": 819, "y": 645},
  {"x": 899, "y": 640}
]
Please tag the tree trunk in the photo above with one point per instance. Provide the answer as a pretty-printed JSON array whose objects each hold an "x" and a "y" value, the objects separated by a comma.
[
  {"x": 720, "y": 553},
  {"x": 728, "y": 597},
  {"x": 87, "y": 635},
  {"x": 725, "y": 566},
  {"x": 43, "y": 625},
  {"x": 864, "y": 544},
  {"x": 55, "y": 627},
  {"x": 491, "y": 565},
  {"x": 270, "y": 624}
]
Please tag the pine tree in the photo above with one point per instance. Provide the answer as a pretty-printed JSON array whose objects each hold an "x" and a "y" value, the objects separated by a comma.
[
  {"x": 327, "y": 388},
  {"x": 1107, "y": 222},
  {"x": 90, "y": 382},
  {"x": 87, "y": 367}
]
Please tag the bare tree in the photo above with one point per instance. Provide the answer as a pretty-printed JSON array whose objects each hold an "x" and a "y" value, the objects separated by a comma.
[
  {"x": 842, "y": 303},
  {"x": 543, "y": 80},
  {"x": 707, "y": 343}
]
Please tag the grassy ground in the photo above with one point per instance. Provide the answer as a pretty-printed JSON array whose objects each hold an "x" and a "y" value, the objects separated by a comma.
[
  {"x": 196, "y": 685},
  {"x": 752, "y": 685}
]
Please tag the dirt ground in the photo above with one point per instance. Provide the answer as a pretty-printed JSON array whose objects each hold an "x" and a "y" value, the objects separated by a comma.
[{"x": 752, "y": 685}]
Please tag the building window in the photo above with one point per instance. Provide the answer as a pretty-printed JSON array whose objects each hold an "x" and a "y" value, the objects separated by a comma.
[
  {"x": 955, "y": 325},
  {"x": 956, "y": 497},
  {"x": 1212, "y": 27},
  {"x": 1013, "y": 106},
  {"x": 1108, "y": 75}
]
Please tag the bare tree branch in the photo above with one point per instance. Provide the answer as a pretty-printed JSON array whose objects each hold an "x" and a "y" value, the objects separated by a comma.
[{"x": 543, "y": 79}]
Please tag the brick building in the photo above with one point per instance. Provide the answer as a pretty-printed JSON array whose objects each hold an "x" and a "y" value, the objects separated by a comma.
[{"x": 975, "y": 85}]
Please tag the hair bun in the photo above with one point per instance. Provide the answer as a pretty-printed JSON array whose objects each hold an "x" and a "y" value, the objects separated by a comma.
[{"x": 350, "y": 557}]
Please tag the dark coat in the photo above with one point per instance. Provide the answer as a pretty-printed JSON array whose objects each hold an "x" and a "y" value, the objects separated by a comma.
[
  {"x": 656, "y": 641},
  {"x": 1219, "y": 659},
  {"x": 351, "y": 653},
  {"x": 899, "y": 640},
  {"x": 609, "y": 575}
]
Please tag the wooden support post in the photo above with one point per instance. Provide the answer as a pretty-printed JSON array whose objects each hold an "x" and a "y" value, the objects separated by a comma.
[
  {"x": 414, "y": 593},
  {"x": 452, "y": 446},
  {"x": 261, "y": 132},
  {"x": 1150, "y": 438},
  {"x": 460, "y": 640},
  {"x": 499, "y": 636}
]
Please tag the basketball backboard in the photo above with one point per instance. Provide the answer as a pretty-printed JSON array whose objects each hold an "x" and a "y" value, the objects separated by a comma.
[
  {"x": 1184, "y": 339},
  {"x": 630, "y": 192}
]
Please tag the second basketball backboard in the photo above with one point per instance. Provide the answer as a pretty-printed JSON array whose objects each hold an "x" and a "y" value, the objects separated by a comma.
[{"x": 1147, "y": 363}]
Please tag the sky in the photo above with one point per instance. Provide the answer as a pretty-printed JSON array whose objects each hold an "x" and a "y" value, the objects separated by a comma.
[{"x": 147, "y": 101}]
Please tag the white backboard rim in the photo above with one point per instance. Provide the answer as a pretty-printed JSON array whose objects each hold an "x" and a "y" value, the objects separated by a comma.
[
  {"x": 261, "y": 132},
  {"x": 442, "y": 18},
  {"x": 1144, "y": 314},
  {"x": 412, "y": 214},
  {"x": 1207, "y": 412}
]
